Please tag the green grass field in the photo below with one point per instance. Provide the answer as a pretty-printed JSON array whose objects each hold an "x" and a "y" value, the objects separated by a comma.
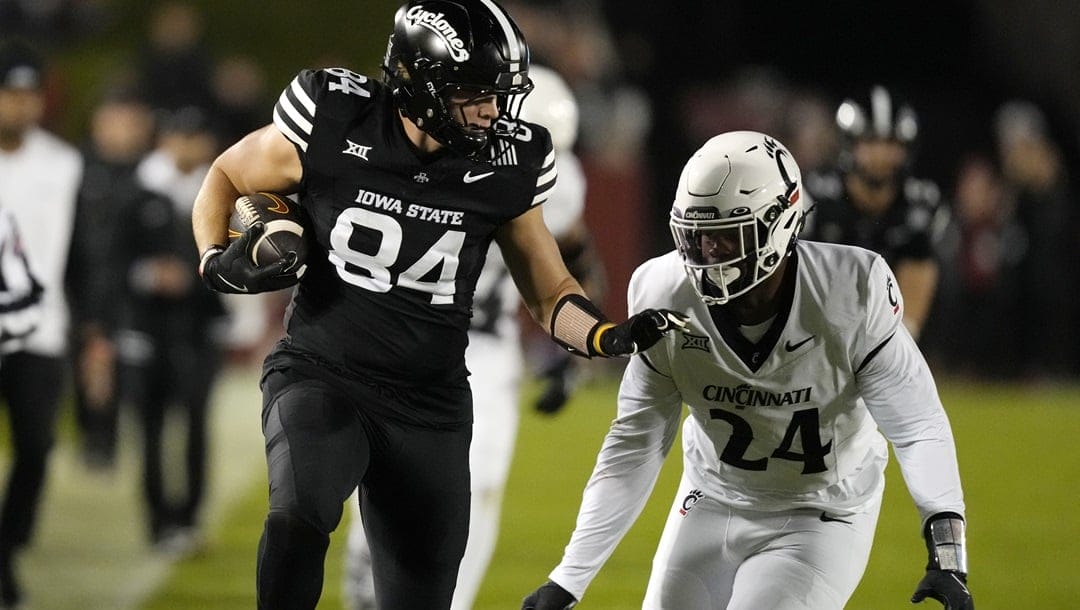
[{"x": 1019, "y": 475}]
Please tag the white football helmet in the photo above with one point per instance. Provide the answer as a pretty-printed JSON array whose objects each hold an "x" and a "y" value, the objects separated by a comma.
[
  {"x": 552, "y": 104},
  {"x": 737, "y": 212}
]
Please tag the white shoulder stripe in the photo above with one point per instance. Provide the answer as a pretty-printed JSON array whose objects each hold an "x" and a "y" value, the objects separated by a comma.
[
  {"x": 288, "y": 131},
  {"x": 548, "y": 176},
  {"x": 298, "y": 118},
  {"x": 540, "y": 198},
  {"x": 508, "y": 30},
  {"x": 302, "y": 97}
]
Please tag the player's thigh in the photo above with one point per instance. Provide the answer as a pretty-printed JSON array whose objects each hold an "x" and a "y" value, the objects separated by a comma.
[
  {"x": 415, "y": 504},
  {"x": 316, "y": 448},
  {"x": 692, "y": 568},
  {"x": 811, "y": 564}
]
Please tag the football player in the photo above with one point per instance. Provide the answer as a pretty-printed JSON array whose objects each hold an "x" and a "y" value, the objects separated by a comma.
[
  {"x": 870, "y": 199},
  {"x": 796, "y": 369},
  {"x": 405, "y": 184},
  {"x": 494, "y": 354}
]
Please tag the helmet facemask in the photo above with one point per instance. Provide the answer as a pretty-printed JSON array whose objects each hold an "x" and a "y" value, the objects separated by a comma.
[{"x": 733, "y": 255}]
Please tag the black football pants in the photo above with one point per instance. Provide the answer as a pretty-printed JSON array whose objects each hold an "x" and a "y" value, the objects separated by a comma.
[{"x": 322, "y": 441}]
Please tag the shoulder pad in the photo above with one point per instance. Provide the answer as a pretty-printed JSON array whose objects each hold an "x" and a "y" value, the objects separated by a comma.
[{"x": 335, "y": 92}]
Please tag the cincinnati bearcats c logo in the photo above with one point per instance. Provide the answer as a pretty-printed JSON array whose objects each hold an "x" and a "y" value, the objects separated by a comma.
[
  {"x": 895, "y": 302},
  {"x": 690, "y": 500}
]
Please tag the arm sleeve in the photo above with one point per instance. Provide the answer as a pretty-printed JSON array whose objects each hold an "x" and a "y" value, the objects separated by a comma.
[
  {"x": 900, "y": 393},
  {"x": 625, "y": 473}
]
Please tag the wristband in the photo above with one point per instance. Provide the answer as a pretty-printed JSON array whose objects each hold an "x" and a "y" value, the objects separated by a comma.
[
  {"x": 605, "y": 326},
  {"x": 945, "y": 542},
  {"x": 574, "y": 325},
  {"x": 207, "y": 254}
]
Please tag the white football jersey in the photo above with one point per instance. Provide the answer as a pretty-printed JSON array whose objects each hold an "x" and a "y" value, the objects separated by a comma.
[{"x": 790, "y": 421}]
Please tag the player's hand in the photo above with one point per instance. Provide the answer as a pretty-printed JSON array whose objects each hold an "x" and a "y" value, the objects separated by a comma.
[
  {"x": 640, "y": 332},
  {"x": 556, "y": 380},
  {"x": 549, "y": 596},
  {"x": 232, "y": 270},
  {"x": 946, "y": 586}
]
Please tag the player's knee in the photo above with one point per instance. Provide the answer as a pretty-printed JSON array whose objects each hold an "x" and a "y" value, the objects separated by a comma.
[{"x": 287, "y": 530}]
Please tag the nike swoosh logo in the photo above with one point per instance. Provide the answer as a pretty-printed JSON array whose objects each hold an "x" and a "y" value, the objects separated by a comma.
[
  {"x": 789, "y": 346},
  {"x": 827, "y": 519},
  {"x": 239, "y": 288},
  {"x": 279, "y": 205},
  {"x": 468, "y": 178}
]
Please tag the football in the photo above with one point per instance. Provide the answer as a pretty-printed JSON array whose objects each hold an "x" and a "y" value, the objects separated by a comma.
[{"x": 284, "y": 228}]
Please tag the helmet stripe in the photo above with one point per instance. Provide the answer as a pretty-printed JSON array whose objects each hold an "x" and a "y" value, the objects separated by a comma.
[
  {"x": 881, "y": 110},
  {"x": 508, "y": 30}
]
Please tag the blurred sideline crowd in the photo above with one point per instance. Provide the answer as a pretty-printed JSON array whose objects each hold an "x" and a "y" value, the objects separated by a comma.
[{"x": 145, "y": 332}]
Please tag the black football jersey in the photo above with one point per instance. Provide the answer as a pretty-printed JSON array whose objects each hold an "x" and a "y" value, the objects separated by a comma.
[
  {"x": 398, "y": 239},
  {"x": 906, "y": 231}
]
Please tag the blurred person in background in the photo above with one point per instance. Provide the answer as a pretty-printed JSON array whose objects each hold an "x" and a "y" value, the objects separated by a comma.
[
  {"x": 121, "y": 133},
  {"x": 175, "y": 68},
  {"x": 1037, "y": 188},
  {"x": 494, "y": 354},
  {"x": 172, "y": 346},
  {"x": 871, "y": 200},
  {"x": 981, "y": 250},
  {"x": 39, "y": 182},
  {"x": 798, "y": 374},
  {"x": 240, "y": 96}
]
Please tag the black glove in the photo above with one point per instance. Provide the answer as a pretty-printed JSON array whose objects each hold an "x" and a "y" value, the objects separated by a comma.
[
  {"x": 946, "y": 569},
  {"x": 640, "y": 332},
  {"x": 231, "y": 269},
  {"x": 557, "y": 381},
  {"x": 549, "y": 596},
  {"x": 946, "y": 586}
]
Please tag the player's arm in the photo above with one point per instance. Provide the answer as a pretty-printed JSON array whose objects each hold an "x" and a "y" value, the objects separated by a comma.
[
  {"x": 264, "y": 160},
  {"x": 627, "y": 467},
  {"x": 895, "y": 381},
  {"x": 899, "y": 391},
  {"x": 918, "y": 279},
  {"x": 557, "y": 302}
]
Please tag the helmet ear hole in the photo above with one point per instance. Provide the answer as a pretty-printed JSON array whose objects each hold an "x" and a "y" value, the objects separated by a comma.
[
  {"x": 771, "y": 260},
  {"x": 772, "y": 213}
]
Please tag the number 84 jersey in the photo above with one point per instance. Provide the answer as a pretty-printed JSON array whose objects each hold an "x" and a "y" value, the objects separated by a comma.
[
  {"x": 399, "y": 238},
  {"x": 792, "y": 420}
]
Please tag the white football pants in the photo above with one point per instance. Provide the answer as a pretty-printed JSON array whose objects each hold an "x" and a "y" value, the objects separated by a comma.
[{"x": 713, "y": 557}]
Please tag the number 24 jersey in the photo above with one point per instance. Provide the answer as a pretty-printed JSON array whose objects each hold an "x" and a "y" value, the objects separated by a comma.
[
  {"x": 399, "y": 239},
  {"x": 792, "y": 420}
]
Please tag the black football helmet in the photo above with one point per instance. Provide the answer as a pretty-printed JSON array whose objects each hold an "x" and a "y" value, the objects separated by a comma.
[
  {"x": 880, "y": 115},
  {"x": 443, "y": 47}
]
